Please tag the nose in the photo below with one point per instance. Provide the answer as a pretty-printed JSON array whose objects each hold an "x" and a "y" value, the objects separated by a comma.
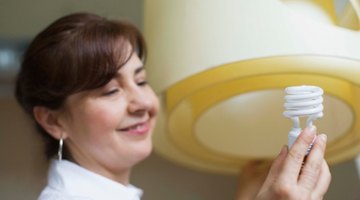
[{"x": 140, "y": 100}]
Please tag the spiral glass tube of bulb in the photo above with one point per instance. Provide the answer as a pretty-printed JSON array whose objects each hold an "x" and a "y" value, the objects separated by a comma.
[{"x": 302, "y": 101}]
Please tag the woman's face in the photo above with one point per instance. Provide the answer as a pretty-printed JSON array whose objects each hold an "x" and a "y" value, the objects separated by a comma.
[{"x": 108, "y": 130}]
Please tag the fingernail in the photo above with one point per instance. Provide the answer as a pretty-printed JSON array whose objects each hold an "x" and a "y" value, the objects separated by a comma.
[
  {"x": 323, "y": 137},
  {"x": 312, "y": 128}
]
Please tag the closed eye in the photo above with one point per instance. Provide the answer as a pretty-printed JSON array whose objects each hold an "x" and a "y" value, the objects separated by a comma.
[
  {"x": 142, "y": 83},
  {"x": 111, "y": 92}
]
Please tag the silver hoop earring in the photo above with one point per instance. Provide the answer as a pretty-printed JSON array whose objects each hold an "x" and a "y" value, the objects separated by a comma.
[{"x": 61, "y": 143}]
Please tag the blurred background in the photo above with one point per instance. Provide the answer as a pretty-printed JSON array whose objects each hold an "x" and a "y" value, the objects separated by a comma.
[{"x": 22, "y": 165}]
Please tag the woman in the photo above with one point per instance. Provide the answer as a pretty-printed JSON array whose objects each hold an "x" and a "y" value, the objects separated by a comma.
[{"x": 83, "y": 83}]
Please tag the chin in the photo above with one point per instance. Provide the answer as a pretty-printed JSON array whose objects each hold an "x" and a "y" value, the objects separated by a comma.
[{"x": 144, "y": 152}]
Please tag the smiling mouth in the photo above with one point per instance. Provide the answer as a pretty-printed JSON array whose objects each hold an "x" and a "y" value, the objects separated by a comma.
[{"x": 138, "y": 129}]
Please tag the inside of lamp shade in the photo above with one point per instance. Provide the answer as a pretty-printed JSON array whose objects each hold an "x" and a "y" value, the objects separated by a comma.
[{"x": 252, "y": 124}]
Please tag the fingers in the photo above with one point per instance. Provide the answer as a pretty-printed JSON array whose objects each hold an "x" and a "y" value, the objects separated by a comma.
[
  {"x": 314, "y": 164},
  {"x": 294, "y": 161},
  {"x": 291, "y": 178}
]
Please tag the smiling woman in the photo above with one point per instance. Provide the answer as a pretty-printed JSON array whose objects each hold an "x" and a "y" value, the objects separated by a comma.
[
  {"x": 108, "y": 130},
  {"x": 83, "y": 82}
]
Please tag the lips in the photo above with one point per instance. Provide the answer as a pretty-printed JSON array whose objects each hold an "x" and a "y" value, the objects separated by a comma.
[{"x": 137, "y": 129}]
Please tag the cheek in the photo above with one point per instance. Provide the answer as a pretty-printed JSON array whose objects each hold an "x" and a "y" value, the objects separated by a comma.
[{"x": 104, "y": 117}]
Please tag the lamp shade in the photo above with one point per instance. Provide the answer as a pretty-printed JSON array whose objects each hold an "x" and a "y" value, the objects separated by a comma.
[{"x": 220, "y": 68}]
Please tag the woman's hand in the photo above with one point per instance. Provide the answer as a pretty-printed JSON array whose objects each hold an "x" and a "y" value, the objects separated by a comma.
[{"x": 295, "y": 176}]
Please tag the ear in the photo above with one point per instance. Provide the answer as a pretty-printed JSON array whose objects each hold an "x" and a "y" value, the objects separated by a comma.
[{"x": 49, "y": 120}]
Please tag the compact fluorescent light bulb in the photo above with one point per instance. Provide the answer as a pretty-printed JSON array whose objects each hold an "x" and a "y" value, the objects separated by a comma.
[{"x": 302, "y": 101}]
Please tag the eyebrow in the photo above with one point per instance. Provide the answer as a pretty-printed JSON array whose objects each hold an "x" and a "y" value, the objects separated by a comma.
[{"x": 139, "y": 69}]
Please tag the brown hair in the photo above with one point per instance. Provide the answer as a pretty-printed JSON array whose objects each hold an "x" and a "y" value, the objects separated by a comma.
[{"x": 77, "y": 52}]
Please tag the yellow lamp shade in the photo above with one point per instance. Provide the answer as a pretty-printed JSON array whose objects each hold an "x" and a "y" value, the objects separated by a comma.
[{"x": 220, "y": 68}]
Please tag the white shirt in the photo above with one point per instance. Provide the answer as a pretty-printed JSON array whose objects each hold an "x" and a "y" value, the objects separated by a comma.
[{"x": 69, "y": 181}]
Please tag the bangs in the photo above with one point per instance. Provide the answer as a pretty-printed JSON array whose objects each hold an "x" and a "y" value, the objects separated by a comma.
[
  {"x": 76, "y": 53},
  {"x": 102, "y": 51}
]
